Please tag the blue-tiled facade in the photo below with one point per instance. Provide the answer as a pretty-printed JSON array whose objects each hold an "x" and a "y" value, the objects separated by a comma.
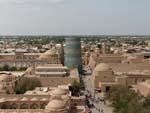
[{"x": 72, "y": 53}]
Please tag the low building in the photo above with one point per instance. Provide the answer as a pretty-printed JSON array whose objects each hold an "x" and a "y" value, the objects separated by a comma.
[
  {"x": 51, "y": 70},
  {"x": 21, "y": 58},
  {"x": 107, "y": 75},
  {"x": 96, "y": 58},
  {"x": 7, "y": 83},
  {"x": 103, "y": 77},
  {"x": 58, "y": 100}
]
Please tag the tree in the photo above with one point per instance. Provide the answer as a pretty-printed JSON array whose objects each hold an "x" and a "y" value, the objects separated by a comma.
[
  {"x": 13, "y": 69},
  {"x": 8, "y": 68},
  {"x": 75, "y": 88},
  {"x": 146, "y": 104},
  {"x": 26, "y": 83},
  {"x": 124, "y": 99},
  {"x": 22, "y": 68},
  {"x": 135, "y": 106},
  {"x": 5, "y": 67},
  {"x": 1, "y": 69}
]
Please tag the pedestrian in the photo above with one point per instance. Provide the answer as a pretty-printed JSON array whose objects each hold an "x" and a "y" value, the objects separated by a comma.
[
  {"x": 99, "y": 110},
  {"x": 104, "y": 102}
]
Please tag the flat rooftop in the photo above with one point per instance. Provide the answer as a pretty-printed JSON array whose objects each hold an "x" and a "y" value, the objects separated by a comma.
[
  {"x": 135, "y": 67},
  {"x": 52, "y": 67}
]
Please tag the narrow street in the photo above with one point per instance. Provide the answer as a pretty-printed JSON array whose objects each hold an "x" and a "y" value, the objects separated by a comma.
[{"x": 99, "y": 106}]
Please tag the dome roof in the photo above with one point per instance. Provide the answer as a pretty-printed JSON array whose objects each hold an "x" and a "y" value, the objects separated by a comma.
[
  {"x": 34, "y": 99},
  {"x": 55, "y": 104},
  {"x": 29, "y": 70},
  {"x": 47, "y": 54},
  {"x": 59, "y": 91},
  {"x": 44, "y": 99},
  {"x": 50, "y": 52},
  {"x": 58, "y": 46},
  {"x": 43, "y": 57},
  {"x": 102, "y": 67},
  {"x": 14, "y": 99},
  {"x": 24, "y": 99}
]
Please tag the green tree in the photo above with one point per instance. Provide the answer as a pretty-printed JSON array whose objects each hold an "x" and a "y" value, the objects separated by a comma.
[
  {"x": 1, "y": 68},
  {"x": 123, "y": 100},
  {"x": 13, "y": 69},
  {"x": 26, "y": 84},
  {"x": 146, "y": 104},
  {"x": 76, "y": 88},
  {"x": 5, "y": 67},
  {"x": 135, "y": 106},
  {"x": 22, "y": 68}
]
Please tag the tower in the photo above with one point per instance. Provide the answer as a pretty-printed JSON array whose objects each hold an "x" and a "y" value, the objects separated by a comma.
[{"x": 72, "y": 53}]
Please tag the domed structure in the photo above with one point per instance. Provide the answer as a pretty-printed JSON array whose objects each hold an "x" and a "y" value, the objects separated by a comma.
[
  {"x": 43, "y": 99},
  {"x": 102, "y": 67},
  {"x": 102, "y": 74},
  {"x": 29, "y": 70},
  {"x": 14, "y": 99},
  {"x": 56, "y": 106},
  {"x": 34, "y": 99},
  {"x": 43, "y": 57},
  {"x": 24, "y": 99},
  {"x": 51, "y": 56},
  {"x": 58, "y": 46},
  {"x": 59, "y": 92},
  {"x": 48, "y": 54}
]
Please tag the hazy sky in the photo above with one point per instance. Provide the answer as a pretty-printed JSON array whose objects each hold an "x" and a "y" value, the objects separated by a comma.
[{"x": 76, "y": 17}]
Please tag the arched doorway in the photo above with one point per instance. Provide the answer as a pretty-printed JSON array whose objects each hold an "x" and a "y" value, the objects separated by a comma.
[
  {"x": 34, "y": 106},
  {"x": 13, "y": 106},
  {"x": 43, "y": 105},
  {"x": 24, "y": 106}
]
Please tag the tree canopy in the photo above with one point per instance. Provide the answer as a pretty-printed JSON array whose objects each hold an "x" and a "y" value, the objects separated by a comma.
[
  {"x": 8, "y": 68},
  {"x": 26, "y": 84},
  {"x": 76, "y": 87},
  {"x": 123, "y": 99}
]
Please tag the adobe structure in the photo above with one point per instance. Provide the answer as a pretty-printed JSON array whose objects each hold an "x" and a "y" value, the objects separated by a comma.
[
  {"x": 143, "y": 88},
  {"x": 107, "y": 75},
  {"x": 42, "y": 100},
  {"x": 21, "y": 58}
]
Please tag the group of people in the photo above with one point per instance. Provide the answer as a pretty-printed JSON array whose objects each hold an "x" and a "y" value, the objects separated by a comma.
[{"x": 94, "y": 101}]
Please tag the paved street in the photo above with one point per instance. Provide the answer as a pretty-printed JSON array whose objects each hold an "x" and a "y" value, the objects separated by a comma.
[{"x": 99, "y": 105}]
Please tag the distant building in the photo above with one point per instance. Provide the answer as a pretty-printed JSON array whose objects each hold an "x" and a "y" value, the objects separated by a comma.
[{"x": 22, "y": 59}]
